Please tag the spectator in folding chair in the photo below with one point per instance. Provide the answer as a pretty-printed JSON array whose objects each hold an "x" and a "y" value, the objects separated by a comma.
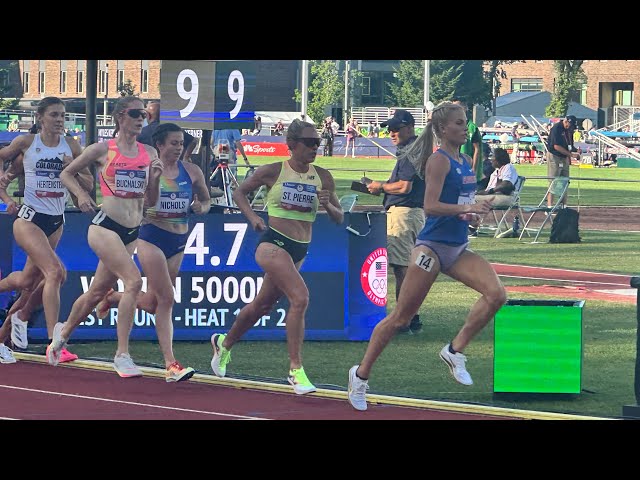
[
  {"x": 502, "y": 181},
  {"x": 501, "y": 190}
]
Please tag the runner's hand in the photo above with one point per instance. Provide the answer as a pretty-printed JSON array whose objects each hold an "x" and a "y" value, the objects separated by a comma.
[{"x": 196, "y": 205}]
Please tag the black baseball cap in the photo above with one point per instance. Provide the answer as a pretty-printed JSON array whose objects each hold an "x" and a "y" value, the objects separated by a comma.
[
  {"x": 573, "y": 121},
  {"x": 400, "y": 119}
]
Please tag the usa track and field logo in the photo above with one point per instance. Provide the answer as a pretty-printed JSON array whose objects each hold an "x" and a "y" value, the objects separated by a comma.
[{"x": 373, "y": 277}]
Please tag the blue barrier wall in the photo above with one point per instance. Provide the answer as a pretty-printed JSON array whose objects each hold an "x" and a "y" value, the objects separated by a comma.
[{"x": 345, "y": 274}]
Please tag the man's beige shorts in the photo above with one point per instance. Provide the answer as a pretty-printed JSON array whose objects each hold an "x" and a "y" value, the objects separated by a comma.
[
  {"x": 557, "y": 166},
  {"x": 403, "y": 226}
]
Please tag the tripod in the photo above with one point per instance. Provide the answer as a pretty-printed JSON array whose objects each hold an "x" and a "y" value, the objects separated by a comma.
[{"x": 229, "y": 181}]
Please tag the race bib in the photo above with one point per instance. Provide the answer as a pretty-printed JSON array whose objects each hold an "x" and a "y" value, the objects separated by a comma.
[
  {"x": 26, "y": 213},
  {"x": 130, "y": 183},
  {"x": 298, "y": 197},
  {"x": 173, "y": 205},
  {"x": 468, "y": 198},
  {"x": 48, "y": 184}
]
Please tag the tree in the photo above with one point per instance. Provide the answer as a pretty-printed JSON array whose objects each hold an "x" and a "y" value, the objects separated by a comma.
[
  {"x": 127, "y": 88},
  {"x": 408, "y": 89},
  {"x": 326, "y": 88},
  {"x": 494, "y": 72},
  {"x": 569, "y": 79},
  {"x": 473, "y": 85},
  {"x": 12, "y": 103},
  {"x": 447, "y": 79}
]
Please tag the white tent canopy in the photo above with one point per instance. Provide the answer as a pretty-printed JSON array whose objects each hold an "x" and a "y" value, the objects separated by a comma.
[{"x": 269, "y": 119}]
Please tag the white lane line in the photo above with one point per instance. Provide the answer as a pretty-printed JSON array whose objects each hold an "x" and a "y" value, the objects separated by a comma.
[
  {"x": 8, "y": 418},
  {"x": 561, "y": 269},
  {"x": 562, "y": 280},
  {"x": 124, "y": 402}
]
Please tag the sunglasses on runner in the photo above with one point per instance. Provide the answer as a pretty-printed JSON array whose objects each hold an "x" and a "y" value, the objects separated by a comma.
[
  {"x": 310, "y": 142},
  {"x": 136, "y": 112}
]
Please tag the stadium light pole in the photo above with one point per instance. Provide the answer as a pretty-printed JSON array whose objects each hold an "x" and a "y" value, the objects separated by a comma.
[
  {"x": 90, "y": 111},
  {"x": 345, "y": 112},
  {"x": 426, "y": 82},
  {"x": 305, "y": 88}
]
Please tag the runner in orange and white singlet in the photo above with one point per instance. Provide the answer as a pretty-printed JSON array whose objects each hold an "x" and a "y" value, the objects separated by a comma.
[{"x": 129, "y": 181}]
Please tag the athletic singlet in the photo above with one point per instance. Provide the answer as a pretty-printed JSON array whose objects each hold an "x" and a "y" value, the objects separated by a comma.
[
  {"x": 294, "y": 195},
  {"x": 122, "y": 176},
  {"x": 43, "y": 190},
  {"x": 459, "y": 188},
  {"x": 174, "y": 200}
]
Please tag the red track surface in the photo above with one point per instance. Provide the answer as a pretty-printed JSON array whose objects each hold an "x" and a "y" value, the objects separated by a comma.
[
  {"x": 579, "y": 284},
  {"x": 36, "y": 391}
]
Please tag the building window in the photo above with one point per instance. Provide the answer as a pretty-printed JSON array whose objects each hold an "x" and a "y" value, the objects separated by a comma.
[
  {"x": 41, "y": 82},
  {"x": 366, "y": 86},
  {"x": 120, "y": 78},
  {"x": 80, "y": 82},
  {"x": 583, "y": 94},
  {"x": 144, "y": 81},
  {"x": 104, "y": 81},
  {"x": 63, "y": 82},
  {"x": 25, "y": 81},
  {"x": 4, "y": 79},
  {"x": 624, "y": 97},
  {"x": 526, "y": 84}
]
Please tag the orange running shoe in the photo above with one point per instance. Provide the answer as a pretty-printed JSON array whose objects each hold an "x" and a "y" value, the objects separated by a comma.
[{"x": 177, "y": 373}]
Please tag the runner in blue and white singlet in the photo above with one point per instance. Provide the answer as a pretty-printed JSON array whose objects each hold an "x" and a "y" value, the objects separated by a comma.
[{"x": 441, "y": 246}]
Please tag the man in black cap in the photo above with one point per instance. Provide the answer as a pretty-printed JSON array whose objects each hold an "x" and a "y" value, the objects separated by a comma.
[
  {"x": 559, "y": 154},
  {"x": 403, "y": 202}
]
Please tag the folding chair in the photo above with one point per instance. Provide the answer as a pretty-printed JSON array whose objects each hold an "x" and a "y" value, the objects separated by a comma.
[
  {"x": 558, "y": 187},
  {"x": 500, "y": 213},
  {"x": 347, "y": 202}
]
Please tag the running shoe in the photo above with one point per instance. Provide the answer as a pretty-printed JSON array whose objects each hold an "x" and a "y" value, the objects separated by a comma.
[
  {"x": 58, "y": 342},
  {"x": 125, "y": 367},
  {"x": 300, "y": 382},
  {"x": 221, "y": 356},
  {"x": 67, "y": 356},
  {"x": 177, "y": 373},
  {"x": 456, "y": 365},
  {"x": 357, "y": 390},
  {"x": 19, "y": 332},
  {"x": 6, "y": 354}
]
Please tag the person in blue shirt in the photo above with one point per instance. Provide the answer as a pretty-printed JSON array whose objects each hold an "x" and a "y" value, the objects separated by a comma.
[{"x": 449, "y": 205}]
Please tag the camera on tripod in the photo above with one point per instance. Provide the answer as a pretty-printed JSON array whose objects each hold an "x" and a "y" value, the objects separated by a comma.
[{"x": 222, "y": 152}]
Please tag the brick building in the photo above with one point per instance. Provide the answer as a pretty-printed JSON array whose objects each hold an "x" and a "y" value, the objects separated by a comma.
[
  {"x": 609, "y": 82},
  {"x": 34, "y": 79}
]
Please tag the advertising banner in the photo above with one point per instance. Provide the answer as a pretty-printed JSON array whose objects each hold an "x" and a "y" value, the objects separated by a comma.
[{"x": 219, "y": 276}]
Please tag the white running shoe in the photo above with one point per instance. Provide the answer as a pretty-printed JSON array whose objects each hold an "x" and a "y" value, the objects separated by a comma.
[
  {"x": 456, "y": 365},
  {"x": 6, "y": 354},
  {"x": 125, "y": 367},
  {"x": 58, "y": 342},
  {"x": 19, "y": 332},
  {"x": 357, "y": 390}
]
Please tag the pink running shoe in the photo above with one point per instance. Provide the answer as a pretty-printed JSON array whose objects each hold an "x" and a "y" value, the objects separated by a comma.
[{"x": 67, "y": 356}]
